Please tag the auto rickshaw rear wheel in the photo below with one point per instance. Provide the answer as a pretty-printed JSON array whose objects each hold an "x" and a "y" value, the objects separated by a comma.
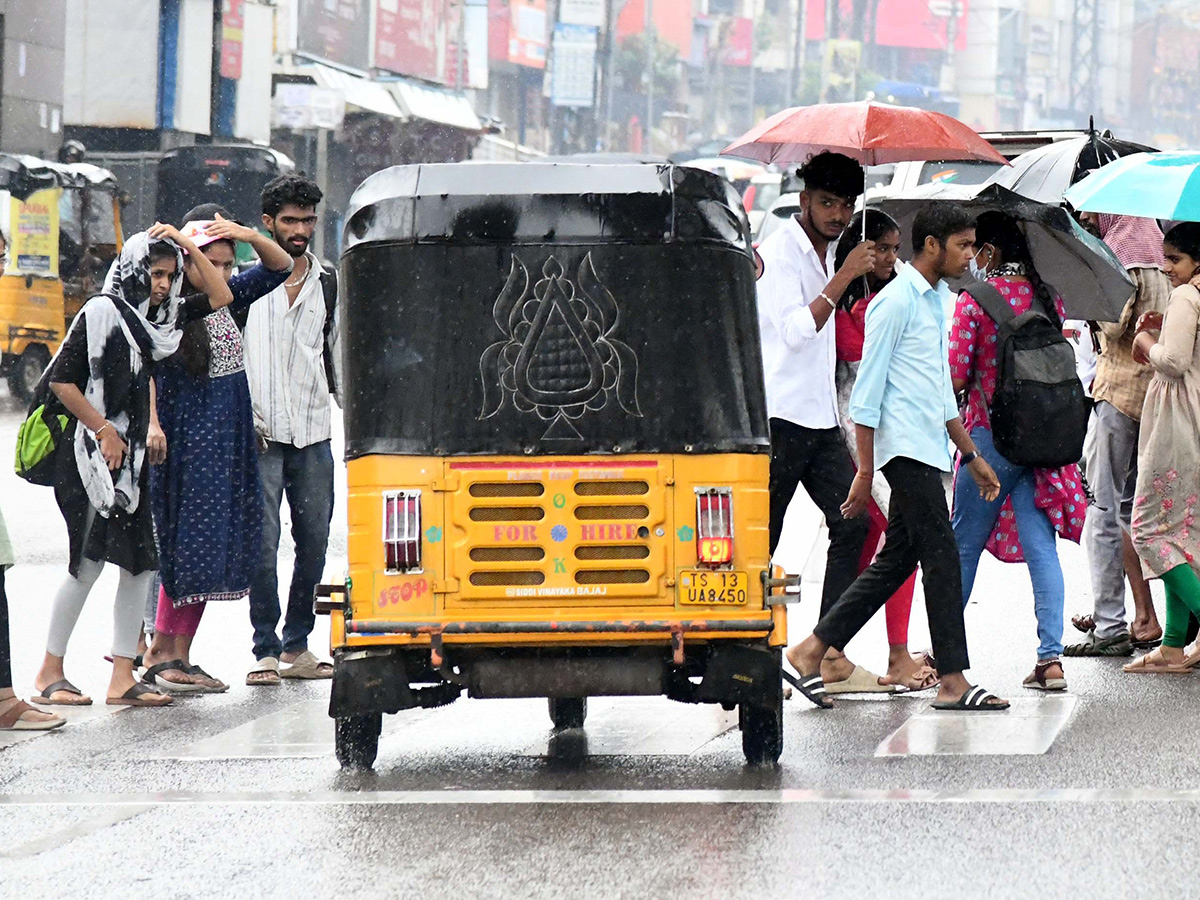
[
  {"x": 568, "y": 712},
  {"x": 356, "y": 740},
  {"x": 23, "y": 377},
  {"x": 762, "y": 729}
]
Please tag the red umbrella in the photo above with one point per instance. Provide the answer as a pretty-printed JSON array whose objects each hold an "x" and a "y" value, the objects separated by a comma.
[{"x": 872, "y": 133}]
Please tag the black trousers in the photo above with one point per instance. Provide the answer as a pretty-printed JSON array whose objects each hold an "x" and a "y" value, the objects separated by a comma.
[
  {"x": 817, "y": 458},
  {"x": 5, "y": 649},
  {"x": 918, "y": 532}
]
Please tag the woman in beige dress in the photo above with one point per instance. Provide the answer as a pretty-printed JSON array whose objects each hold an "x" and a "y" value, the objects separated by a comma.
[{"x": 1166, "y": 534}]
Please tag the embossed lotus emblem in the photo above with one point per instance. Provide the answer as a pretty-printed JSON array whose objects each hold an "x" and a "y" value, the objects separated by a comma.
[{"x": 559, "y": 357}]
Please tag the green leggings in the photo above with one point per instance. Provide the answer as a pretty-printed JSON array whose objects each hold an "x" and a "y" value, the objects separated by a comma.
[{"x": 1183, "y": 596}]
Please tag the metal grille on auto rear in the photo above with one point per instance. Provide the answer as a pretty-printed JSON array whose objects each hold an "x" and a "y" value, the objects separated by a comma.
[
  {"x": 506, "y": 579},
  {"x": 611, "y": 488},
  {"x": 620, "y": 551},
  {"x": 507, "y": 489},
  {"x": 612, "y": 576},
  {"x": 507, "y": 554},
  {"x": 507, "y": 513},
  {"x": 614, "y": 511}
]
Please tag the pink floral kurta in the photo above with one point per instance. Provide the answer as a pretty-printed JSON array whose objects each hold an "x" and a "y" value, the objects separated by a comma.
[
  {"x": 1057, "y": 492},
  {"x": 1168, "y": 485}
]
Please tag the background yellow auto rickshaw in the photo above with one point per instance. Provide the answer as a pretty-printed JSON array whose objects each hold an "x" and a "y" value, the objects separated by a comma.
[
  {"x": 63, "y": 222},
  {"x": 557, "y": 447}
]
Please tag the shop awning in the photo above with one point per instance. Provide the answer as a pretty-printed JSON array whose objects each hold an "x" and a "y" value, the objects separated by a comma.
[
  {"x": 367, "y": 96},
  {"x": 434, "y": 104}
]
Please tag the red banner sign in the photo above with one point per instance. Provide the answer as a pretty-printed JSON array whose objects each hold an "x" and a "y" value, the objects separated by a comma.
[
  {"x": 406, "y": 36},
  {"x": 912, "y": 24},
  {"x": 231, "y": 39}
]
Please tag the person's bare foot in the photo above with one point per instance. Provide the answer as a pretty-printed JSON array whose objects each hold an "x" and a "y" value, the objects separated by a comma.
[
  {"x": 1145, "y": 630},
  {"x": 954, "y": 686},
  {"x": 50, "y": 673},
  {"x": 8, "y": 699},
  {"x": 905, "y": 670},
  {"x": 835, "y": 667},
  {"x": 153, "y": 657},
  {"x": 805, "y": 657}
]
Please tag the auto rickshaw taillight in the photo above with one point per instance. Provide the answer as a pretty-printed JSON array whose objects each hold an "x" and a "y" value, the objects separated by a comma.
[
  {"x": 402, "y": 530},
  {"x": 714, "y": 526}
]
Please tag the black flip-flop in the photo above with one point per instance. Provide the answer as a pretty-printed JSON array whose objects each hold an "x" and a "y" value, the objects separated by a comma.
[
  {"x": 974, "y": 699},
  {"x": 811, "y": 686},
  {"x": 135, "y": 696},
  {"x": 43, "y": 699},
  {"x": 150, "y": 677},
  {"x": 1147, "y": 644},
  {"x": 205, "y": 689}
]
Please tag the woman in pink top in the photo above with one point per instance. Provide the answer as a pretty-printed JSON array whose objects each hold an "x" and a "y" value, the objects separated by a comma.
[{"x": 1035, "y": 505}]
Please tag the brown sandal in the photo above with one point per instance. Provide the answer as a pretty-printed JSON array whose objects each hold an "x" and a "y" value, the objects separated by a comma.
[
  {"x": 10, "y": 719},
  {"x": 138, "y": 695},
  {"x": 1154, "y": 663},
  {"x": 1037, "y": 680}
]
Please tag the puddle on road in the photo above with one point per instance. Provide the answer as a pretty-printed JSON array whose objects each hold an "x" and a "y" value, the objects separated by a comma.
[{"x": 1029, "y": 728}]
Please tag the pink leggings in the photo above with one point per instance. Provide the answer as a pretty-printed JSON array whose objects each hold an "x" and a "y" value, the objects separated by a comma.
[
  {"x": 899, "y": 605},
  {"x": 186, "y": 619}
]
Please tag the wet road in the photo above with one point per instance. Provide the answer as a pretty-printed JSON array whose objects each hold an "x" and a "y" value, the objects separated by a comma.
[{"x": 1093, "y": 794}]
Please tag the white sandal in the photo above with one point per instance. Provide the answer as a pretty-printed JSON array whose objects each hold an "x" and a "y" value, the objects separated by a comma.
[{"x": 268, "y": 665}]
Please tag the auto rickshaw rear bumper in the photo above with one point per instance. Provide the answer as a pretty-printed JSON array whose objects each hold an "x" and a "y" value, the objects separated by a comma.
[{"x": 388, "y": 665}]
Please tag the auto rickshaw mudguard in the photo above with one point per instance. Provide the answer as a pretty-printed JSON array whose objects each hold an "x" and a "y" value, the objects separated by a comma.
[{"x": 378, "y": 681}]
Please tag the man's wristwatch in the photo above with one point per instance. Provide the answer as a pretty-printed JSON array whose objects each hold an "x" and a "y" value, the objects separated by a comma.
[{"x": 969, "y": 458}]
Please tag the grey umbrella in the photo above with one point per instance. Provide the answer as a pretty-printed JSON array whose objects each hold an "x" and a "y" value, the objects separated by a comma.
[
  {"x": 1044, "y": 174},
  {"x": 1092, "y": 282}
]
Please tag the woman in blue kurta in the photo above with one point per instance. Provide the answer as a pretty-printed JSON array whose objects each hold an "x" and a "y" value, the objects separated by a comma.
[{"x": 207, "y": 496}]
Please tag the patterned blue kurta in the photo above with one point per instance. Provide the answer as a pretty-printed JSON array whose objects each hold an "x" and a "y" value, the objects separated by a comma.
[{"x": 207, "y": 496}]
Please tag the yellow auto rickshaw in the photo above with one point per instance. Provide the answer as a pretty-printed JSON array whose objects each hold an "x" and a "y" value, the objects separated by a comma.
[
  {"x": 63, "y": 222},
  {"x": 557, "y": 447}
]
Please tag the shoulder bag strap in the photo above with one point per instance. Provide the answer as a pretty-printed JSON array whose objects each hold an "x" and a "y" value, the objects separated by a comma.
[{"x": 991, "y": 301}]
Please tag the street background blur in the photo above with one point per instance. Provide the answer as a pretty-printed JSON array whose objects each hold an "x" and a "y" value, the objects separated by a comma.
[{"x": 342, "y": 88}]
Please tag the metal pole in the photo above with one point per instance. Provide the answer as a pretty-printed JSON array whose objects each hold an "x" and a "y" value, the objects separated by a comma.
[
  {"x": 648, "y": 130},
  {"x": 462, "y": 40},
  {"x": 610, "y": 22},
  {"x": 750, "y": 124}
]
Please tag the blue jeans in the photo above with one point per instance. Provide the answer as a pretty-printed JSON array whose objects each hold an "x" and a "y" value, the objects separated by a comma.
[
  {"x": 305, "y": 476},
  {"x": 974, "y": 519}
]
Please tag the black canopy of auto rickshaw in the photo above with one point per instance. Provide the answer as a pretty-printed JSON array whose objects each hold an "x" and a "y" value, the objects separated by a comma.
[{"x": 536, "y": 308}]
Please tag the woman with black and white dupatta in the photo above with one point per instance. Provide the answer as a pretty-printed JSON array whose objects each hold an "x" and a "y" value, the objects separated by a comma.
[{"x": 101, "y": 376}]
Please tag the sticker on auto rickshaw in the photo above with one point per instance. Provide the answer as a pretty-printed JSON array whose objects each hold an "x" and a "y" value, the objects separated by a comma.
[{"x": 698, "y": 587}]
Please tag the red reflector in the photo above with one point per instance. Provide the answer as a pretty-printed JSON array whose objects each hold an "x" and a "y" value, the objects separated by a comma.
[
  {"x": 402, "y": 530},
  {"x": 714, "y": 526},
  {"x": 715, "y": 551}
]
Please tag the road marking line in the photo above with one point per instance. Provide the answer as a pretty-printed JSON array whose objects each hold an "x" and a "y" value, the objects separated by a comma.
[
  {"x": 792, "y": 796},
  {"x": 57, "y": 839}
]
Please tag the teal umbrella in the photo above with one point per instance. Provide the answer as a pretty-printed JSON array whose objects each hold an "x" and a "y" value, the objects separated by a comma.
[{"x": 1150, "y": 185}]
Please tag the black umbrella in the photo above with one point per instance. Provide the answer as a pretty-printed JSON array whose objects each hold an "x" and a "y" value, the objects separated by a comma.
[
  {"x": 1092, "y": 282},
  {"x": 1044, "y": 174}
]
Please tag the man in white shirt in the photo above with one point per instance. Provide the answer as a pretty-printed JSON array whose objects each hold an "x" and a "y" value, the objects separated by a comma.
[
  {"x": 289, "y": 345},
  {"x": 797, "y": 295}
]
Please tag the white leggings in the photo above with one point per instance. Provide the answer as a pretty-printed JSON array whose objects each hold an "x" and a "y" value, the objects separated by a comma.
[{"x": 127, "y": 610}]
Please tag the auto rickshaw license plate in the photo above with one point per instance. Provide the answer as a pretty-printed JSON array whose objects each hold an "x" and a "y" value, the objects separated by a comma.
[{"x": 700, "y": 588}]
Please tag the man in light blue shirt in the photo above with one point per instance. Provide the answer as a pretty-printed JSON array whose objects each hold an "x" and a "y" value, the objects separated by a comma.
[{"x": 903, "y": 406}]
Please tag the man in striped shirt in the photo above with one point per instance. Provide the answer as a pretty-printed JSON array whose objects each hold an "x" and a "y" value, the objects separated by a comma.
[{"x": 288, "y": 351}]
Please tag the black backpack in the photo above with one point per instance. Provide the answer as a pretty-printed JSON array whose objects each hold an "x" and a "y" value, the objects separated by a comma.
[{"x": 1039, "y": 412}]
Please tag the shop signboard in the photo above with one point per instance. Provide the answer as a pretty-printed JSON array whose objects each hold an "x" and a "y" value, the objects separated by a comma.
[
  {"x": 574, "y": 70},
  {"x": 527, "y": 33},
  {"x": 336, "y": 31},
  {"x": 581, "y": 12},
  {"x": 34, "y": 227},
  {"x": 300, "y": 106}
]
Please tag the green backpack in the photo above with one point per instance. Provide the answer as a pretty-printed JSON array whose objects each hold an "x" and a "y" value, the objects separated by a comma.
[{"x": 37, "y": 439}]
